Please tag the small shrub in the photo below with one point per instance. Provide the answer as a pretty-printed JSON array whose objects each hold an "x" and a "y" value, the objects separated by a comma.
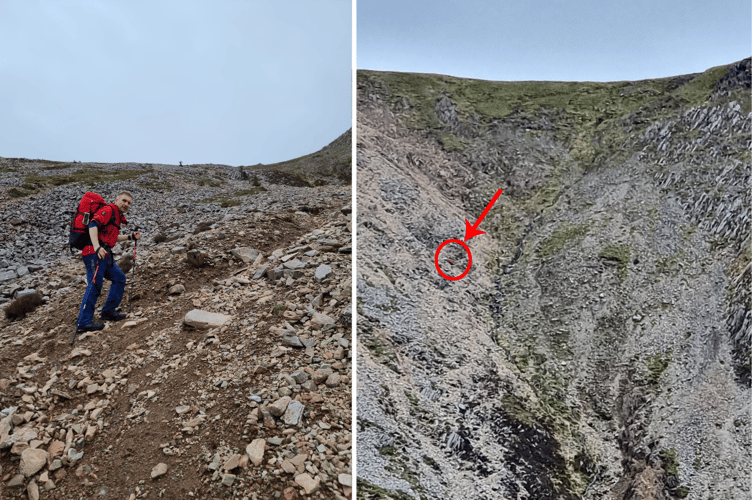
[
  {"x": 125, "y": 263},
  {"x": 20, "y": 307},
  {"x": 202, "y": 226},
  {"x": 619, "y": 254}
]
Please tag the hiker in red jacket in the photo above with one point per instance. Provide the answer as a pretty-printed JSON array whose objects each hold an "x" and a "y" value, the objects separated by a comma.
[{"x": 104, "y": 230}]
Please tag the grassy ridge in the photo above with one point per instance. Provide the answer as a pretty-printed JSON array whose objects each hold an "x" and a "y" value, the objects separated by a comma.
[
  {"x": 490, "y": 100},
  {"x": 332, "y": 161},
  {"x": 581, "y": 110}
]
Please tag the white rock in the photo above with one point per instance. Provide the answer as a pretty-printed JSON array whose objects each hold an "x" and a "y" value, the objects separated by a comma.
[
  {"x": 320, "y": 320},
  {"x": 204, "y": 319},
  {"x": 159, "y": 470},
  {"x": 246, "y": 254},
  {"x": 309, "y": 484},
  {"x": 255, "y": 451}
]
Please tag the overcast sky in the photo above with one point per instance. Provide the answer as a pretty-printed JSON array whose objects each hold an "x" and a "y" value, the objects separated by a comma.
[
  {"x": 237, "y": 82},
  {"x": 572, "y": 40}
]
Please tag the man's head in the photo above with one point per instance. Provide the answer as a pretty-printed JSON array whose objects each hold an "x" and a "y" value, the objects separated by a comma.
[{"x": 123, "y": 201}]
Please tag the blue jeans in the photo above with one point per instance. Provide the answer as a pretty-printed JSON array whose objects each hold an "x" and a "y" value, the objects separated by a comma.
[{"x": 109, "y": 270}]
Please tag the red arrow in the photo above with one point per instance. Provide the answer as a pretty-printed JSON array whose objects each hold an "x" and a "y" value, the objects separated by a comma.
[{"x": 472, "y": 231}]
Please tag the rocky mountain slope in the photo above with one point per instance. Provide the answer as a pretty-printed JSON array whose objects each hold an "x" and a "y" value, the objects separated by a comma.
[
  {"x": 599, "y": 347},
  {"x": 230, "y": 376}
]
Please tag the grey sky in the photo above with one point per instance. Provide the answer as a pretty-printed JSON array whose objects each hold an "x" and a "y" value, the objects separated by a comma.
[
  {"x": 580, "y": 40},
  {"x": 237, "y": 82}
]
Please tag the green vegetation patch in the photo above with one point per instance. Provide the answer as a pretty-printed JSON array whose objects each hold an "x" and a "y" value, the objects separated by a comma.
[
  {"x": 34, "y": 183},
  {"x": 411, "y": 397},
  {"x": 620, "y": 255},
  {"x": 561, "y": 236},
  {"x": 450, "y": 142},
  {"x": 700, "y": 88},
  {"x": 657, "y": 364},
  {"x": 670, "y": 463},
  {"x": 210, "y": 182},
  {"x": 223, "y": 201},
  {"x": 369, "y": 491},
  {"x": 154, "y": 183},
  {"x": 518, "y": 410},
  {"x": 380, "y": 352},
  {"x": 249, "y": 192},
  {"x": 671, "y": 466}
]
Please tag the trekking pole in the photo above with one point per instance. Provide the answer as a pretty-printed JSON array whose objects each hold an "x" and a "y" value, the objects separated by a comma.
[{"x": 133, "y": 275}]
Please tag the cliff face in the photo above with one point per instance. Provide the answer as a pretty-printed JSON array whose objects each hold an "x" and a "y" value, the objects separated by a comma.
[{"x": 599, "y": 347}]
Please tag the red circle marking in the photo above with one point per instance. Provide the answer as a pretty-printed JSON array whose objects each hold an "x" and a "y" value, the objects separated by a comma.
[{"x": 469, "y": 263}]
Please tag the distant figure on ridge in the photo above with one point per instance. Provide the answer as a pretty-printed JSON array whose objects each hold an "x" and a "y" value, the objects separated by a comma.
[{"x": 104, "y": 230}]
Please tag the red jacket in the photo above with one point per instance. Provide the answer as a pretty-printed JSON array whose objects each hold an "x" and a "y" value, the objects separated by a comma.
[{"x": 108, "y": 220}]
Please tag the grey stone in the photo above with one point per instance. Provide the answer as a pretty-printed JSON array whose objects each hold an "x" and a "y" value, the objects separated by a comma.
[
  {"x": 16, "y": 481},
  {"x": 293, "y": 413},
  {"x": 346, "y": 318},
  {"x": 6, "y": 276},
  {"x": 292, "y": 341},
  {"x": 261, "y": 271},
  {"x": 294, "y": 264},
  {"x": 274, "y": 274},
  {"x": 329, "y": 242},
  {"x": 320, "y": 320},
  {"x": 322, "y": 272},
  {"x": 21, "y": 293},
  {"x": 246, "y": 254},
  {"x": 176, "y": 290}
]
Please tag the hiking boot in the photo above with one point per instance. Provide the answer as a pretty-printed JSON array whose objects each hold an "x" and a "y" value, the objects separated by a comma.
[
  {"x": 113, "y": 316},
  {"x": 91, "y": 327}
]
